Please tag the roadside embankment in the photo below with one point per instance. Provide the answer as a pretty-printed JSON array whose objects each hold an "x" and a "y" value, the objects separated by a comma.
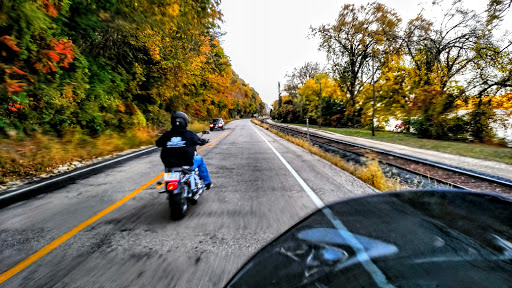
[
  {"x": 40, "y": 156},
  {"x": 370, "y": 173},
  {"x": 483, "y": 166}
]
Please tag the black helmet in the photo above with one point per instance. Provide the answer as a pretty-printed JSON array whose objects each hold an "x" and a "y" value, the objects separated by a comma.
[{"x": 179, "y": 120}]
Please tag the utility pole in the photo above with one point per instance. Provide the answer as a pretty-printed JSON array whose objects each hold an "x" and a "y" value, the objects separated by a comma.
[
  {"x": 373, "y": 103},
  {"x": 321, "y": 100},
  {"x": 280, "y": 100}
]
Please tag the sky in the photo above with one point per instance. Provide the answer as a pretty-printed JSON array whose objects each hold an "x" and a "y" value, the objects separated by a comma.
[{"x": 266, "y": 39}]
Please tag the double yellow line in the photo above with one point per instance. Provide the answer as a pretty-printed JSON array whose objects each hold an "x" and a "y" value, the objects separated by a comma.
[{"x": 46, "y": 249}]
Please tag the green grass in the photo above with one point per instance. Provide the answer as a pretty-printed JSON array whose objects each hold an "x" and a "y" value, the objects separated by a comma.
[{"x": 473, "y": 150}]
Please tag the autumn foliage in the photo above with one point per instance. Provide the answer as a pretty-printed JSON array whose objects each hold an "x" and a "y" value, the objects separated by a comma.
[
  {"x": 111, "y": 66},
  {"x": 445, "y": 78}
]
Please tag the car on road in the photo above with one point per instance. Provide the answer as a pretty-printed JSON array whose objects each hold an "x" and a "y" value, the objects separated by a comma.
[{"x": 217, "y": 123}]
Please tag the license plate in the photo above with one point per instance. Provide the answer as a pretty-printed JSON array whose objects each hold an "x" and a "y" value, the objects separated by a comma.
[{"x": 172, "y": 176}]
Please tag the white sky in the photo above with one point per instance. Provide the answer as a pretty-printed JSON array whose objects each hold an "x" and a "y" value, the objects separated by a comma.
[{"x": 265, "y": 39}]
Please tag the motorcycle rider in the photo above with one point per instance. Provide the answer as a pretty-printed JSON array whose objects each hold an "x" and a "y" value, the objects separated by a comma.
[{"x": 179, "y": 147}]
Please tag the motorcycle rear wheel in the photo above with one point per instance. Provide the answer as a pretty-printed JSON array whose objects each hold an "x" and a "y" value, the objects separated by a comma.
[{"x": 178, "y": 204}]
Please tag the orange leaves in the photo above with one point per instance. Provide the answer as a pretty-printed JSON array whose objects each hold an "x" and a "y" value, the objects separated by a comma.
[
  {"x": 45, "y": 66},
  {"x": 15, "y": 107},
  {"x": 498, "y": 102},
  {"x": 62, "y": 55},
  {"x": 14, "y": 70},
  {"x": 53, "y": 56},
  {"x": 13, "y": 85},
  {"x": 68, "y": 91},
  {"x": 50, "y": 8},
  {"x": 7, "y": 40},
  {"x": 65, "y": 48}
]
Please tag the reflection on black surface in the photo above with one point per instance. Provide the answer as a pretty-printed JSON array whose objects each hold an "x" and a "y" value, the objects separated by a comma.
[{"x": 416, "y": 239}]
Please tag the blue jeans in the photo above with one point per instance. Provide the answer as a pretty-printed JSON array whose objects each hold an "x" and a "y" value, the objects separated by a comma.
[{"x": 203, "y": 172}]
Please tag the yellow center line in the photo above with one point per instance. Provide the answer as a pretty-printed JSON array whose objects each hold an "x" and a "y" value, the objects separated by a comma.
[
  {"x": 211, "y": 143},
  {"x": 48, "y": 248}
]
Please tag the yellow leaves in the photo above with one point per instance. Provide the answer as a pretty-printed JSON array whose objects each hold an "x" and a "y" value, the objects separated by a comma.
[
  {"x": 68, "y": 91},
  {"x": 205, "y": 49},
  {"x": 104, "y": 15},
  {"x": 152, "y": 41},
  {"x": 173, "y": 10},
  {"x": 154, "y": 50},
  {"x": 499, "y": 102},
  {"x": 503, "y": 101}
]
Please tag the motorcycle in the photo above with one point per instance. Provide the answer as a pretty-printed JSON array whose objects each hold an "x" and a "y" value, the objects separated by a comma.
[
  {"x": 430, "y": 238},
  {"x": 183, "y": 187}
]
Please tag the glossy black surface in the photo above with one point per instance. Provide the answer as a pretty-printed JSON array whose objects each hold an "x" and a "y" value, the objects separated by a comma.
[{"x": 413, "y": 239}]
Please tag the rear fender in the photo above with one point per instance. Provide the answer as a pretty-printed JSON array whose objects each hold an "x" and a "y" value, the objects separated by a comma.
[{"x": 173, "y": 183}]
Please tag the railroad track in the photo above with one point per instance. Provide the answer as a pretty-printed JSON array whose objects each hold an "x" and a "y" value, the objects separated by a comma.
[{"x": 453, "y": 176}]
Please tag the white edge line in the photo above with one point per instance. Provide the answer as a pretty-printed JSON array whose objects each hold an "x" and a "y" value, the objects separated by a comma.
[
  {"x": 361, "y": 254},
  {"x": 73, "y": 173}
]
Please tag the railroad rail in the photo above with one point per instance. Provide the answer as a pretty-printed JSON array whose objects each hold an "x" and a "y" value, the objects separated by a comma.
[{"x": 453, "y": 176}]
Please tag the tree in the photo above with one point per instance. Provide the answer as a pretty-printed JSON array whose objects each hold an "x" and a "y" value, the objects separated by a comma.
[
  {"x": 442, "y": 51},
  {"x": 349, "y": 43},
  {"x": 114, "y": 65},
  {"x": 453, "y": 58},
  {"x": 496, "y": 11},
  {"x": 299, "y": 76}
]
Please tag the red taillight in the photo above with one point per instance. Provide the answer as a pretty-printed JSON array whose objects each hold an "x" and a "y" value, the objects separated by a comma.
[
  {"x": 172, "y": 185},
  {"x": 220, "y": 124},
  {"x": 211, "y": 125}
]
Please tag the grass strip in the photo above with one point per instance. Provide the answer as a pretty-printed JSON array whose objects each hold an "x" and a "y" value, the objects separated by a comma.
[
  {"x": 491, "y": 152},
  {"x": 370, "y": 173}
]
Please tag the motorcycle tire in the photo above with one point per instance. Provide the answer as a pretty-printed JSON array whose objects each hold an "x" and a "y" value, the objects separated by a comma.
[{"x": 178, "y": 205}]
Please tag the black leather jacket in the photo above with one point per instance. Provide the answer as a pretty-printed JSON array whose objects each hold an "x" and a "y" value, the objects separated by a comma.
[{"x": 178, "y": 147}]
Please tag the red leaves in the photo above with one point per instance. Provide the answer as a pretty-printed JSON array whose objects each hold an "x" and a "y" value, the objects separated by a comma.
[
  {"x": 9, "y": 42},
  {"x": 53, "y": 56},
  {"x": 15, "y": 107},
  {"x": 50, "y": 8},
  {"x": 14, "y": 70},
  {"x": 62, "y": 55},
  {"x": 13, "y": 85},
  {"x": 65, "y": 48},
  {"x": 45, "y": 66}
]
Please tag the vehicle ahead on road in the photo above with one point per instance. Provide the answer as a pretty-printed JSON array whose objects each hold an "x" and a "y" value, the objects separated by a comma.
[
  {"x": 217, "y": 123},
  {"x": 410, "y": 239},
  {"x": 183, "y": 187}
]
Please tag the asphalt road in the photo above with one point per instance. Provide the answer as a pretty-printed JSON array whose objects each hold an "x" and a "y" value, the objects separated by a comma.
[{"x": 254, "y": 199}]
